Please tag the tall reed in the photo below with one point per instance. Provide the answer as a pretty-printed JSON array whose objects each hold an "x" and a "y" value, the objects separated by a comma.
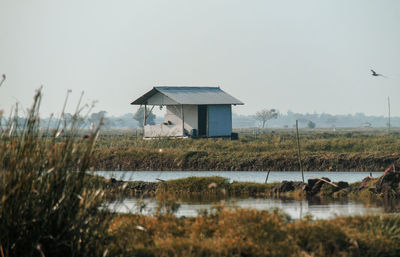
[{"x": 48, "y": 204}]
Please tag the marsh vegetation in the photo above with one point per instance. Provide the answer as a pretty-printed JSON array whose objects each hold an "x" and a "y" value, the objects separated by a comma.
[{"x": 51, "y": 206}]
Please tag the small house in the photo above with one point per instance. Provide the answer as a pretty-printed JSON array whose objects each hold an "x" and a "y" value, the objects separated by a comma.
[{"x": 190, "y": 111}]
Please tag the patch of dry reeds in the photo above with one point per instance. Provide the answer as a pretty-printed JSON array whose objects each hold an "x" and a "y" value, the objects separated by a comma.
[
  {"x": 242, "y": 232},
  {"x": 48, "y": 205}
]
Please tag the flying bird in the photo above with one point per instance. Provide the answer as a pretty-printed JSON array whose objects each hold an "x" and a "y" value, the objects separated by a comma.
[
  {"x": 376, "y": 74},
  {"x": 4, "y": 78}
]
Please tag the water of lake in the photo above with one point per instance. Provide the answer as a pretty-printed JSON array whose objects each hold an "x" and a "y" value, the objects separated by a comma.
[
  {"x": 296, "y": 209},
  {"x": 242, "y": 176}
]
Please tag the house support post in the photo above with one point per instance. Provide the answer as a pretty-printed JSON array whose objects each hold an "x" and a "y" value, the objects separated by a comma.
[
  {"x": 183, "y": 121},
  {"x": 144, "y": 118}
]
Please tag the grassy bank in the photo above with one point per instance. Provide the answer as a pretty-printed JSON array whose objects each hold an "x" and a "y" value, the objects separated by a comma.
[
  {"x": 354, "y": 151},
  {"x": 187, "y": 187},
  {"x": 384, "y": 187}
]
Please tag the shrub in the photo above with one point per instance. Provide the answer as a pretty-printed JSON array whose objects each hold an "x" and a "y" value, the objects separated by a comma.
[{"x": 311, "y": 124}]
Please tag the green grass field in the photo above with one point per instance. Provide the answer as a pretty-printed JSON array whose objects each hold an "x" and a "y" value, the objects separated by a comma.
[{"x": 343, "y": 150}]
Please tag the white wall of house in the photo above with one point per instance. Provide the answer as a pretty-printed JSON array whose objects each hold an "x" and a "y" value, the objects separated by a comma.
[
  {"x": 219, "y": 121},
  {"x": 173, "y": 114},
  {"x": 161, "y": 130}
]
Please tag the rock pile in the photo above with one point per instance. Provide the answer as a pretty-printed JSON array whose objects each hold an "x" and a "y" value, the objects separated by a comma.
[
  {"x": 313, "y": 187},
  {"x": 131, "y": 188}
]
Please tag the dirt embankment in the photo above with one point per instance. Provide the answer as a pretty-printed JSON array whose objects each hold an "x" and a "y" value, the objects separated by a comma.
[{"x": 144, "y": 159}]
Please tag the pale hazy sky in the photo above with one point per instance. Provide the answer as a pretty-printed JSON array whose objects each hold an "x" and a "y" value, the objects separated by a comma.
[{"x": 303, "y": 56}]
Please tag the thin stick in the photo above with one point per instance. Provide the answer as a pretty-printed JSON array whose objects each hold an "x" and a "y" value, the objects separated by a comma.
[
  {"x": 326, "y": 181},
  {"x": 62, "y": 113},
  {"x": 389, "y": 114},
  {"x": 298, "y": 149},
  {"x": 266, "y": 179},
  {"x": 183, "y": 121}
]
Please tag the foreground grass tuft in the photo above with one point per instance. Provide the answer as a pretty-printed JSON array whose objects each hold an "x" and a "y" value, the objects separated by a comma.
[
  {"x": 242, "y": 232},
  {"x": 48, "y": 206}
]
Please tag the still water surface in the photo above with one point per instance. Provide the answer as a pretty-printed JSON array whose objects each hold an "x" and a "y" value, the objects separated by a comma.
[
  {"x": 243, "y": 176},
  {"x": 294, "y": 208}
]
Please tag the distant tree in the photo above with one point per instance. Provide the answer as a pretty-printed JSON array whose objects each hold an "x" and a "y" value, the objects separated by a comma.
[
  {"x": 96, "y": 117},
  {"x": 150, "y": 117},
  {"x": 332, "y": 120},
  {"x": 303, "y": 121},
  {"x": 68, "y": 117},
  {"x": 265, "y": 115},
  {"x": 311, "y": 124}
]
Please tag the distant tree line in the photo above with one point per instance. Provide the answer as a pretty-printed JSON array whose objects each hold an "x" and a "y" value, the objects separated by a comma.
[
  {"x": 318, "y": 120},
  {"x": 272, "y": 119}
]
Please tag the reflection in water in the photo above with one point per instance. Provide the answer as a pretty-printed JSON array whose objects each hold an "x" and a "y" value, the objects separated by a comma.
[
  {"x": 387, "y": 205},
  {"x": 294, "y": 208}
]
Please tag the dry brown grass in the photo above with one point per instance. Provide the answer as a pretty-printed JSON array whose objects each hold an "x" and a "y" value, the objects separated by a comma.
[
  {"x": 241, "y": 232},
  {"x": 48, "y": 205}
]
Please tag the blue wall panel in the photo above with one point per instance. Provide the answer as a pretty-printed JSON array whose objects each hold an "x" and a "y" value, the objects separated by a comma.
[{"x": 219, "y": 120}]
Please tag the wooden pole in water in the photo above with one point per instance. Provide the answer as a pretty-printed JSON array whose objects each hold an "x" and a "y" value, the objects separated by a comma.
[
  {"x": 144, "y": 115},
  {"x": 266, "y": 179},
  {"x": 298, "y": 149},
  {"x": 389, "y": 114}
]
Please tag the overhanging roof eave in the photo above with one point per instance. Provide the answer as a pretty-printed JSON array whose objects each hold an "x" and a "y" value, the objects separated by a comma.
[{"x": 143, "y": 99}]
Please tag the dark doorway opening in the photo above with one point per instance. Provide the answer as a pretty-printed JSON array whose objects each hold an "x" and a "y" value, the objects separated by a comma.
[{"x": 202, "y": 120}]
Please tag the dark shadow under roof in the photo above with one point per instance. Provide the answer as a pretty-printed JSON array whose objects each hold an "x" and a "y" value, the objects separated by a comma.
[{"x": 191, "y": 95}]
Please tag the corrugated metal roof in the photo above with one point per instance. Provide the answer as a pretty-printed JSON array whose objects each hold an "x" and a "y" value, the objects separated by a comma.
[{"x": 191, "y": 95}]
